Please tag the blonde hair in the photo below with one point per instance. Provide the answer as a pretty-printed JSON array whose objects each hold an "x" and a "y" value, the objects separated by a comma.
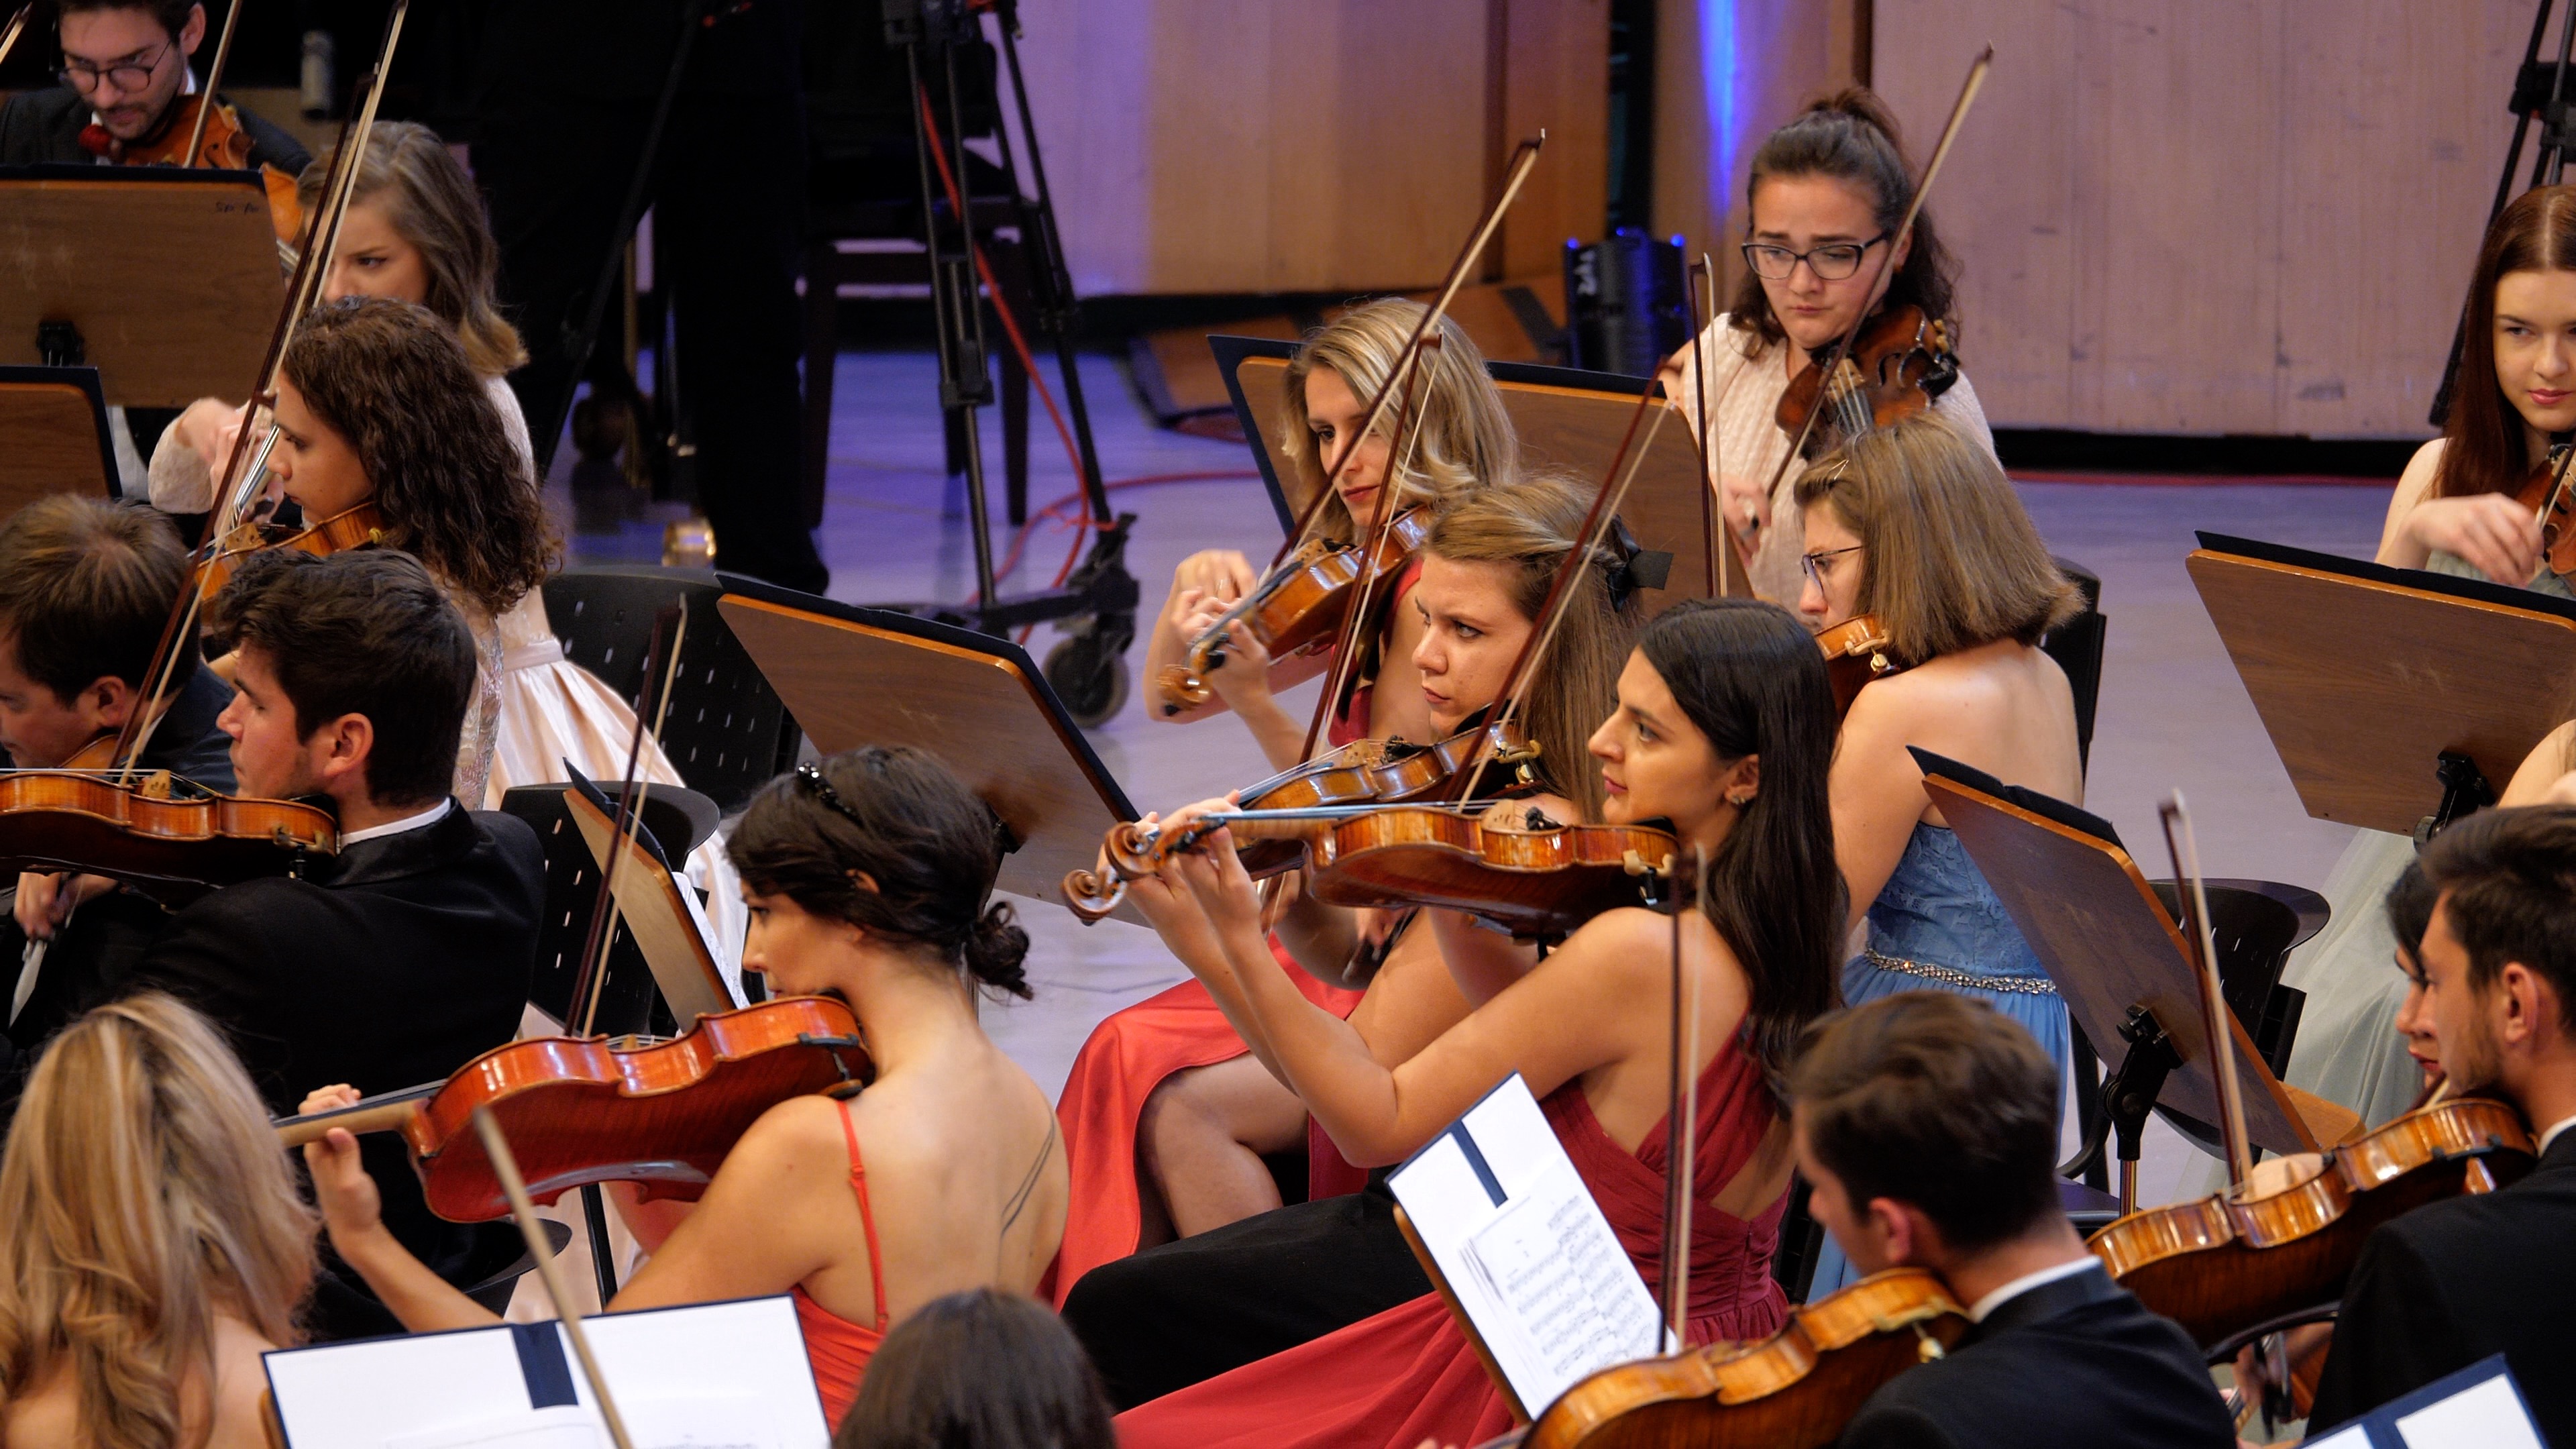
[
  {"x": 433, "y": 203},
  {"x": 1949, "y": 559},
  {"x": 142, "y": 1193},
  {"x": 1530, "y": 524},
  {"x": 1465, "y": 438}
]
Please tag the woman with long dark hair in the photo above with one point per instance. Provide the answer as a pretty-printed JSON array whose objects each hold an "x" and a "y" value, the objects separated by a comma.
[
  {"x": 1723, "y": 729},
  {"x": 1824, "y": 198},
  {"x": 869, "y": 878}
]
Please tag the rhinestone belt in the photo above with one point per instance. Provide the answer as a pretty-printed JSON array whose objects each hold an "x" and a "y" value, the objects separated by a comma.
[{"x": 1950, "y": 976}]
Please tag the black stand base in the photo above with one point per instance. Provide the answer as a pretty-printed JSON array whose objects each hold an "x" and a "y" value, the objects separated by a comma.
[{"x": 2465, "y": 791}]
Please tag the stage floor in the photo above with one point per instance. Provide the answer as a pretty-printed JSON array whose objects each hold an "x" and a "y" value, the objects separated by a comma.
[{"x": 2172, "y": 712}]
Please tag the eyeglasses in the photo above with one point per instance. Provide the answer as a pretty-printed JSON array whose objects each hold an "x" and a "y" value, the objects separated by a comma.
[
  {"x": 1831, "y": 262},
  {"x": 1814, "y": 563},
  {"x": 82, "y": 76}
]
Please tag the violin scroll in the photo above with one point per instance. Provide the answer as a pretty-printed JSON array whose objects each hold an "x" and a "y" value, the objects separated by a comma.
[{"x": 1177, "y": 688}]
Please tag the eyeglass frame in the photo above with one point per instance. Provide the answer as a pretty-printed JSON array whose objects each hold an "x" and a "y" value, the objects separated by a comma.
[
  {"x": 150, "y": 72},
  {"x": 1808, "y": 562},
  {"x": 1808, "y": 256}
]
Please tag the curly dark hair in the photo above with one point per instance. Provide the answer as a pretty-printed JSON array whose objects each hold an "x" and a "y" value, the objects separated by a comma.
[
  {"x": 930, "y": 851},
  {"x": 392, "y": 379},
  {"x": 1852, "y": 136}
]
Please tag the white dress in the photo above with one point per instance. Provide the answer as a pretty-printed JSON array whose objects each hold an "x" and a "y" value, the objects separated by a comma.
[
  {"x": 532, "y": 708},
  {"x": 1745, "y": 389}
]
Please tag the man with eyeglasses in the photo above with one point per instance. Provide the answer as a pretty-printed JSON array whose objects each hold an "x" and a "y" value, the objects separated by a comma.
[{"x": 124, "y": 71}]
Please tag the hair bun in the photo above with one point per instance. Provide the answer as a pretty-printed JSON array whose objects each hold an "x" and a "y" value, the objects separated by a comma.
[{"x": 996, "y": 951}]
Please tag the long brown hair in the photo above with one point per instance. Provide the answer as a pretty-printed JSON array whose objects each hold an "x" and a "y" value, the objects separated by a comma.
[
  {"x": 1465, "y": 439},
  {"x": 393, "y": 380},
  {"x": 433, "y": 203},
  {"x": 1850, "y": 136},
  {"x": 1949, "y": 558},
  {"x": 143, "y": 1194},
  {"x": 1529, "y": 525},
  {"x": 2484, "y": 446}
]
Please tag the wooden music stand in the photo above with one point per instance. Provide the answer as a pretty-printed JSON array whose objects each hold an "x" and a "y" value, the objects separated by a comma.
[
  {"x": 855, "y": 677},
  {"x": 53, "y": 435},
  {"x": 1568, "y": 420},
  {"x": 167, "y": 280},
  {"x": 2392, "y": 695},
  {"x": 2096, "y": 925},
  {"x": 648, "y": 898}
]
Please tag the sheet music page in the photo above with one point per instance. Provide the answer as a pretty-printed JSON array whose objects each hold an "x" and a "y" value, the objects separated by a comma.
[
  {"x": 728, "y": 1423},
  {"x": 2486, "y": 1415},
  {"x": 1550, "y": 1259},
  {"x": 1524, "y": 1249}
]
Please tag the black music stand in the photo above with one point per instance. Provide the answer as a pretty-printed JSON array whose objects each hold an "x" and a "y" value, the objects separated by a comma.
[
  {"x": 167, "y": 281},
  {"x": 855, "y": 676},
  {"x": 1567, "y": 418}
]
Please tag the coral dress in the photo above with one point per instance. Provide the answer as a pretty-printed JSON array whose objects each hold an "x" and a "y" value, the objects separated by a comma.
[
  {"x": 838, "y": 1349},
  {"x": 1130, "y": 1053},
  {"x": 1409, "y": 1374}
]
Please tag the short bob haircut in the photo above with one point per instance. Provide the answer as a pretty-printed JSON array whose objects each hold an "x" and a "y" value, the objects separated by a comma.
[{"x": 1949, "y": 559}]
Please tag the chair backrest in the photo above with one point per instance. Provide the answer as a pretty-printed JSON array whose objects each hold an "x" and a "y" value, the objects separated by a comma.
[
  {"x": 728, "y": 733},
  {"x": 2076, "y": 645},
  {"x": 629, "y": 1002}
]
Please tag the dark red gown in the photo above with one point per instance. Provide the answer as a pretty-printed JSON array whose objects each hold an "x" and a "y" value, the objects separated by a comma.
[{"x": 1408, "y": 1374}]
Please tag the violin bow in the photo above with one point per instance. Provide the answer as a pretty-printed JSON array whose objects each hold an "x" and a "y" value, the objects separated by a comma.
[
  {"x": 1345, "y": 665},
  {"x": 1681, "y": 1122},
  {"x": 310, "y": 265},
  {"x": 505, "y": 1166},
  {"x": 214, "y": 78},
  {"x": 2193, "y": 896},
  {"x": 16, "y": 27},
  {"x": 1904, "y": 233},
  {"x": 1523, "y": 158},
  {"x": 1712, "y": 505}
]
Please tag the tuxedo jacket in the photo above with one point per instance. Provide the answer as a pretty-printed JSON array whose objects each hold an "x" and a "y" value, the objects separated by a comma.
[
  {"x": 39, "y": 128},
  {"x": 398, "y": 961},
  {"x": 2454, "y": 1281},
  {"x": 2076, "y": 1361}
]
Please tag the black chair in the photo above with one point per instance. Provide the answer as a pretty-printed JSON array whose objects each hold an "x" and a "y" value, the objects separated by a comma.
[
  {"x": 2255, "y": 924},
  {"x": 2076, "y": 645},
  {"x": 629, "y": 1002},
  {"x": 493, "y": 1293},
  {"x": 728, "y": 733}
]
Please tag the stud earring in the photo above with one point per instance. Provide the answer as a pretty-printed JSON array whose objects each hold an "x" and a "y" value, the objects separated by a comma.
[{"x": 1739, "y": 798}]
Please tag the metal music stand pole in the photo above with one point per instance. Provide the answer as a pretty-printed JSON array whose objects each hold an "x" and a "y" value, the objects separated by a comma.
[{"x": 2548, "y": 164}]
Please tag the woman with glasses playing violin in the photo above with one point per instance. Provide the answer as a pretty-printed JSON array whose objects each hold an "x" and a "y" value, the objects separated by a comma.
[
  {"x": 1826, "y": 196},
  {"x": 1917, "y": 526}
]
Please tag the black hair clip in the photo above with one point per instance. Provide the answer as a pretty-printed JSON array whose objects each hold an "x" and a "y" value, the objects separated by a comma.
[
  {"x": 810, "y": 776},
  {"x": 1636, "y": 567}
]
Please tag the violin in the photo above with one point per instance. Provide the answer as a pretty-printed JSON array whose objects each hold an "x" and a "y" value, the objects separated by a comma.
[
  {"x": 1796, "y": 1389},
  {"x": 2283, "y": 1242},
  {"x": 1360, "y": 773},
  {"x": 1855, "y": 654},
  {"x": 1899, "y": 362},
  {"x": 2547, "y": 493},
  {"x": 172, "y": 847},
  {"x": 583, "y": 1110},
  {"x": 1509, "y": 864},
  {"x": 358, "y": 527},
  {"x": 1297, "y": 606}
]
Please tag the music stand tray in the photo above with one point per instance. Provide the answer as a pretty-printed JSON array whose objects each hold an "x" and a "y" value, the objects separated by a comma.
[
  {"x": 168, "y": 279},
  {"x": 854, "y": 676},
  {"x": 53, "y": 435},
  {"x": 1568, "y": 419},
  {"x": 2098, "y": 929},
  {"x": 2367, "y": 676}
]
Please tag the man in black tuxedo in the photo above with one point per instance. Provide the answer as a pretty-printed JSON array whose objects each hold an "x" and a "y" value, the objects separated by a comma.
[
  {"x": 86, "y": 587},
  {"x": 1926, "y": 1126},
  {"x": 408, "y": 953},
  {"x": 2452, "y": 1282}
]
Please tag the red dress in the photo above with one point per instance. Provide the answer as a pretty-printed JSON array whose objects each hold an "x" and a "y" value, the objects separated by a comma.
[
  {"x": 838, "y": 1349},
  {"x": 1408, "y": 1374},
  {"x": 1130, "y": 1053}
]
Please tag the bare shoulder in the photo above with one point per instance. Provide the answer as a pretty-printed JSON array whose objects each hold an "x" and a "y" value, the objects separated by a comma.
[
  {"x": 1627, "y": 946},
  {"x": 2417, "y": 480}
]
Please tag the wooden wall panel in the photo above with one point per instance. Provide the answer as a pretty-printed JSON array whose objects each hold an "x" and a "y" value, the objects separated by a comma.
[
  {"x": 2211, "y": 216},
  {"x": 1557, "y": 78}
]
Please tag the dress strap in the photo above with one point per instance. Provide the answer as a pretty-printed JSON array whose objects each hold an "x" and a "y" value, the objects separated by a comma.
[
  {"x": 1028, "y": 1184},
  {"x": 867, "y": 1216}
]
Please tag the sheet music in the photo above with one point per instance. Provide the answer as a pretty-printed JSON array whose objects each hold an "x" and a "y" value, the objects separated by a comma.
[
  {"x": 2488, "y": 1415},
  {"x": 1539, "y": 1273},
  {"x": 704, "y": 1376}
]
